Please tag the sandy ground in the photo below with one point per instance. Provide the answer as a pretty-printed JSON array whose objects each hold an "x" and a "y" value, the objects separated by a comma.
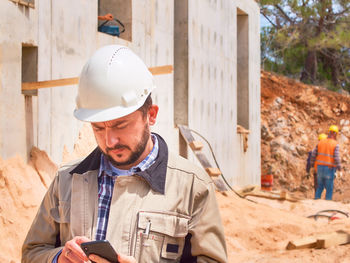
[{"x": 260, "y": 232}]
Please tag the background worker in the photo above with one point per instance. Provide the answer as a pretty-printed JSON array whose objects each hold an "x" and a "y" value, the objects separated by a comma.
[
  {"x": 150, "y": 204},
  {"x": 326, "y": 158},
  {"x": 308, "y": 162}
]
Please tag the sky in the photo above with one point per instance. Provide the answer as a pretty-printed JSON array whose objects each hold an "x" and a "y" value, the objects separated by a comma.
[{"x": 263, "y": 21}]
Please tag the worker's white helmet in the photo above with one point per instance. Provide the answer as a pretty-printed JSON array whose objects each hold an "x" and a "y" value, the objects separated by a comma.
[{"x": 113, "y": 83}]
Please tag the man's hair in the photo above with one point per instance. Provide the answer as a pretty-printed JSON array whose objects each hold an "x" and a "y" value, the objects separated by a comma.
[{"x": 146, "y": 106}]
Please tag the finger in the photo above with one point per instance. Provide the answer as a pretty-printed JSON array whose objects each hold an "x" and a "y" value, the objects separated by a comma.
[
  {"x": 81, "y": 239},
  {"x": 126, "y": 259},
  {"x": 75, "y": 248},
  {"x": 74, "y": 258},
  {"x": 98, "y": 259}
]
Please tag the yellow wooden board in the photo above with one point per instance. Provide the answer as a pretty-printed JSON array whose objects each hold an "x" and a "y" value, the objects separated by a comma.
[
  {"x": 196, "y": 145},
  {"x": 73, "y": 81},
  {"x": 213, "y": 171},
  {"x": 321, "y": 240}
]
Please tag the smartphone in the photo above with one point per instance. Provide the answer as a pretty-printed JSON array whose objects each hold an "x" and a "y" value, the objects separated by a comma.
[{"x": 101, "y": 248}]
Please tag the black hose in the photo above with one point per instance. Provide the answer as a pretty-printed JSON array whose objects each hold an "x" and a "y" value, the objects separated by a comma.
[{"x": 216, "y": 163}]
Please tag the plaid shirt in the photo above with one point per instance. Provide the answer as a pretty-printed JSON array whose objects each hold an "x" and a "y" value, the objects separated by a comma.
[{"x": 106, "y": 177}]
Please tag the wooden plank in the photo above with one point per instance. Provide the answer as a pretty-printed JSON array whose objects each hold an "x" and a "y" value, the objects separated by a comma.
[
  {"x": 25, "y": 3},
  {"x": 196, "y": 145},
  {"x": 213, "y": 171},
  {"x": 242, "y": 130},
  {"x": 306, "y": 242},
  {"x": 161, "y": 70},
  {"x": 333, "y": 239},
  {"x": 73, "y": 81},
  {"x": 255, "y": 191},
  {"x": 49, "y": 83}
]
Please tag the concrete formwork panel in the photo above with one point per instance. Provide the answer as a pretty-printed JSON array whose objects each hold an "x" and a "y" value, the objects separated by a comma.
[
  {"x": 65, "y": 33},
  {"x": 212, "y": 84}
]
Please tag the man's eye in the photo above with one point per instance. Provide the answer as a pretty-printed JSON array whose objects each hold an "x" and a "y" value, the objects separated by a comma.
[
  {"x": 97, "y": 129},
  {"x": 122, "y": 126}
]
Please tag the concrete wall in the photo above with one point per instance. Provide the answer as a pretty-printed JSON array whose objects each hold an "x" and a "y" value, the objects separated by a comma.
[
  {"x": 219, "y": 72},
  {"x": 201, "y": 35},
  {"x": 65, "y": 33}
]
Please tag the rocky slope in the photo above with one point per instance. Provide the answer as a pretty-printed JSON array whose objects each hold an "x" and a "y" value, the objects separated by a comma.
[{"x": 292, "y": 116}]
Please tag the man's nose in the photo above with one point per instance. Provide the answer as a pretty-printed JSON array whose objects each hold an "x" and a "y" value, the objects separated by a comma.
[{"x": 112, "y": 138}]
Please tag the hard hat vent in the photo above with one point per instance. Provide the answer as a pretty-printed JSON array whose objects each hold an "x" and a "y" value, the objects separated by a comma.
[{"x": 121, "y": 49}]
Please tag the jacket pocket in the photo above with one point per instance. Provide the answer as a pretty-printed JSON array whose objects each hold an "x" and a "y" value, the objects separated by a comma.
[{"x": 160, "y": 236}]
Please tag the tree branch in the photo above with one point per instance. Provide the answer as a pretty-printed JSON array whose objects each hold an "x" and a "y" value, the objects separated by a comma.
[
  {"x": 284, "y": 14},
  {"x": 268, "y": 19}
]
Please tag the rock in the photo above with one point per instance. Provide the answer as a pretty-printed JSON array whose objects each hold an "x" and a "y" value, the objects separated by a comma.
[
  {"x": 335, "y": 110},
  {"x": 304, "y": 139},
  {"x": 303, "y": 188},
  {"x": 301, "y": 150},
  {"x": 343, "y": 107},
  {"x": 346, "y": 130},
  {"x": 344, "y": 122},
  {"x": 343, "y": 139},
  {"x": 278, "y": 101},
  {"x": 265, "y": 133},
  {"x": 288, "y": 147}
]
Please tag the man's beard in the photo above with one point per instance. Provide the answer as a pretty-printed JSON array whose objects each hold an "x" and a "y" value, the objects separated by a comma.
[{"x": 135, "y": 155}]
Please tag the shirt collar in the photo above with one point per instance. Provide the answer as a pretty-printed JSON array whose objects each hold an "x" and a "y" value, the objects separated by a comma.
[{"x": 155, "y": 175}]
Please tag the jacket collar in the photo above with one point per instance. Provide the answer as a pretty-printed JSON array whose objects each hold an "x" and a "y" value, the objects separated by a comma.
[{"x": 155, "y": 175}]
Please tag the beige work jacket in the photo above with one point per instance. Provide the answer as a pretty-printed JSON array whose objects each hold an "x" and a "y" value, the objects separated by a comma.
[{"x": 173, "y": 197}]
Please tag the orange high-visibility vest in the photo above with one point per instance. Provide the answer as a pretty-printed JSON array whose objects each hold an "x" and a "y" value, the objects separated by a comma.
[{"x": 325, "y": 152}]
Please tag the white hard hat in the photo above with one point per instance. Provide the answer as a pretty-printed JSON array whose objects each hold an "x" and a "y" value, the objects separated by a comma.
[{"x": 113, "y": 83}]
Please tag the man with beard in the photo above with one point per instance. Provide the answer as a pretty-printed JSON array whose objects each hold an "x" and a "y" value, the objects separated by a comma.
[{"x": 150, "y": 204}]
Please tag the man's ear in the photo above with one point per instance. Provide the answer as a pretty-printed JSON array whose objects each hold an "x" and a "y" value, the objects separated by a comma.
[{"x": 152, "y": 114}]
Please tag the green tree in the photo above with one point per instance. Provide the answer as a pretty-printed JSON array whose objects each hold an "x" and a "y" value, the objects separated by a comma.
[{"x": 309, "y": 39}]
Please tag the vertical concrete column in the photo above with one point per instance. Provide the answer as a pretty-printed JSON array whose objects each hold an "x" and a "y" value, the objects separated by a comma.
[
  {"x": 44, "y": 73},
  {"x": 181, "y": 68}
]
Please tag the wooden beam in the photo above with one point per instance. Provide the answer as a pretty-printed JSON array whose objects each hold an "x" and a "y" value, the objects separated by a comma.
[
  {"x": 306, "y": 242},
  {"x": 73, "y": 81},
  {"x": 213, "y": 171},
  {"x": 49, "y": 83},
  {"x": 196, "y": 145},
  {"x": 321, "y": 240},
  {"x": 161, "y": 70},
  {"x": 257, "y": 192}
]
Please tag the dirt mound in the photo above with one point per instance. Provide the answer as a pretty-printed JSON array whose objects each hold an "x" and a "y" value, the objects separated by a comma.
[
  {"x": 22, "y": 188},
  {"x": 292, "y": 116}
]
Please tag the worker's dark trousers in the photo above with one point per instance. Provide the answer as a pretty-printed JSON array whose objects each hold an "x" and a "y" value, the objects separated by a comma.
[
  {"x": 325, "y": 178},
  {"x": 315, "y": 181}
]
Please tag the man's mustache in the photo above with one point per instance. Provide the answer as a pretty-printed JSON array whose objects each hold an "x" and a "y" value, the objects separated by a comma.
[{"x": 117, "y": 147}]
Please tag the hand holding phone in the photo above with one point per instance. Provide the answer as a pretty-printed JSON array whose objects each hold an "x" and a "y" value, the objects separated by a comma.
[{"x": 101, "y": 248}]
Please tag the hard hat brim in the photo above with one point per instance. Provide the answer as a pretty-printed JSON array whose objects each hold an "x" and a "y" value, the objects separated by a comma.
[{"x": 101, "y": 115}]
